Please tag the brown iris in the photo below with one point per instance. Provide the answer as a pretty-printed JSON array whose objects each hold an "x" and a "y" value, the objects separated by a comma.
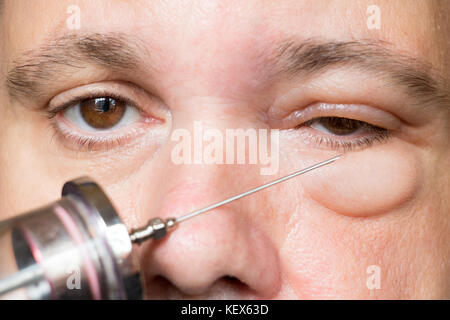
[
  {"x": 102, "y": 113},
  {"x": 341, "y": 126}
]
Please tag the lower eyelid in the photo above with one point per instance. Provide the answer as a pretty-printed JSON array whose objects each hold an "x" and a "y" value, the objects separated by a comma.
[
  {"x": 77, "y": 140},
  {"x": 338, "y": 143},
  {"x": 81, "y": 142}
]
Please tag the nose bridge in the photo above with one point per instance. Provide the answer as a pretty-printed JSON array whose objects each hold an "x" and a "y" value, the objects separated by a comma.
[
  {"x": 186, "y": 178},
  {"x": 188, "y": 167},
  {"x": 214, "y": 109},
  {"x": 190, "y": 187}
]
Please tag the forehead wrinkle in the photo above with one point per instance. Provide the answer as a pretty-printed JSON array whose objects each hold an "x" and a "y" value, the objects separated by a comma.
[{"x": 38, "y": 67}]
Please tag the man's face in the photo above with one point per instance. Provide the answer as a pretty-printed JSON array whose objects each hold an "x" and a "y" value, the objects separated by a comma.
[{"x": 98, "y": 88}]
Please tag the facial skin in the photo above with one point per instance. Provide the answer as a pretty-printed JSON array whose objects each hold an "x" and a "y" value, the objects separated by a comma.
[{"x": 384, "y": 203}]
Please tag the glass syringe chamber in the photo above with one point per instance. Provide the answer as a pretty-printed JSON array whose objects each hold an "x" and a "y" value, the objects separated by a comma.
[{"x": 74, "y": 248}]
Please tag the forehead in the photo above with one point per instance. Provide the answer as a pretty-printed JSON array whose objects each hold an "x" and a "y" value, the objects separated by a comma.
[
  {"x": 404, "y": 23},
  {"x": 207, "y": 37}
]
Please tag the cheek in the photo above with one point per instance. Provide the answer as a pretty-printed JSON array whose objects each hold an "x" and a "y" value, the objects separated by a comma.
[{"x": 366, "y": 183}]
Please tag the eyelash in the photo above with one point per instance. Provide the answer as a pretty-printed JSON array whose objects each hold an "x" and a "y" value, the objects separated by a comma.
[
  {"x": 52, "y": 113},
  {"x": 378, "y": 135},
  {"x": 85, "y": 143}
]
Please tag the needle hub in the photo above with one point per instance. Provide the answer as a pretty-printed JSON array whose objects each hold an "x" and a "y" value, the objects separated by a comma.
[{"x": 155, "y": 228}]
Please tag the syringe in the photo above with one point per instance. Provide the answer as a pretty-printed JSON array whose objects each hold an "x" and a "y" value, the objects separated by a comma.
[{"x": 78, "y": 247}]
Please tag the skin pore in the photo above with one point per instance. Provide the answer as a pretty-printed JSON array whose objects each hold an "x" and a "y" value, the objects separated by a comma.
[{"x": 243, "y": 64}]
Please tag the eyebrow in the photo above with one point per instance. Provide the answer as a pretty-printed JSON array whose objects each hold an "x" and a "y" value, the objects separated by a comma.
[
  {"x": 37, "y": 68},
  {"x": 377, "y": 57}
]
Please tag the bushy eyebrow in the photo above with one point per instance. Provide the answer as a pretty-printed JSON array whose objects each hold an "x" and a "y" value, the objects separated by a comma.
[
  {"x": 37, "y": 67},
  {"x": 377, "y": 57}
]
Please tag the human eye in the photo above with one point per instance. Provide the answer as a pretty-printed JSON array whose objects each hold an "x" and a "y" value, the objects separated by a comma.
[
  {"x": 101, "y": 119},
  {"x": 343, "y": 127},
  {"x": 101, "y": 113},
  {"x": 343, "y": 133}
]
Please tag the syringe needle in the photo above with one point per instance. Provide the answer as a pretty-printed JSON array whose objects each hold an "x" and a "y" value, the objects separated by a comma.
[
  {"x": 249, "y": 192},
  {"x": 157, "y": 228}
]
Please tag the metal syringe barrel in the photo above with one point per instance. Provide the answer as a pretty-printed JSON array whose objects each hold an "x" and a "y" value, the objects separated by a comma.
[{"x": 74, "y": 248}]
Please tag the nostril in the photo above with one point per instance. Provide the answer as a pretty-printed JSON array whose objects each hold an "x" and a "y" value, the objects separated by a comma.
[
  {"x": 159, "y": 287},
  {"x": 235, "y": 283},
  {"x": 160, "y": 281},
  {"x": 230, "y": 287}
]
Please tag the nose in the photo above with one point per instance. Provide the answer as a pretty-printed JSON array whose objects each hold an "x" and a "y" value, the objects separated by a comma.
[{"x": 220, "y": 254}]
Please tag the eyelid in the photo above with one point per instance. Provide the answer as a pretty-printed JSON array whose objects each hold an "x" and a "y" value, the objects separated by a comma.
[{"x": 371, "y": 115}]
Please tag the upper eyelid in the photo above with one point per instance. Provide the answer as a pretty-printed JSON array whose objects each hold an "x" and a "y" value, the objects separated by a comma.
[
  {"x": 118, "y": 88},
  {"x": 53, "y": 111},
  {"x": 359, "y": 112}
]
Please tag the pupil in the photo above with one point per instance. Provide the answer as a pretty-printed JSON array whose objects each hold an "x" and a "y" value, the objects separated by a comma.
[
  {"x": 341, "y": 126},
  {"x": 104, "y": 104}
]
